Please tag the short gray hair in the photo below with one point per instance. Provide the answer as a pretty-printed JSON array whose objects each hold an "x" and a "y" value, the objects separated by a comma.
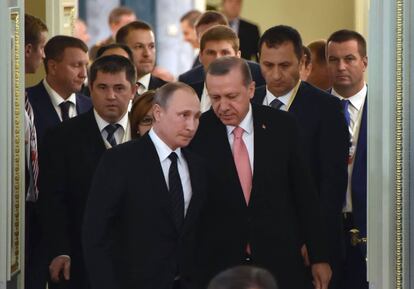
[
  {"x": 164, "y": 93},
  {"x": 223, "y": 65}
]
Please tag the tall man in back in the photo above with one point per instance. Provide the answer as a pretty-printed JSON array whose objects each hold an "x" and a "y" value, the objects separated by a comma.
[
  {"x": 139, "y": 36},
  {"x": 262, "y": 204},
  {"x": 347, "y": 62},
  {"x": 56, "y": 98},
  {"x": 322, "y": 125},
  {"x": 72, "y": 152},
  {"x": 145, "y": 200}
]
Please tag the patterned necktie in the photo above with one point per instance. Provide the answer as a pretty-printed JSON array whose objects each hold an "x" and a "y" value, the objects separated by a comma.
[
  {"x": 176, "y": 191},
  {"x": 64, "y": 110},
  {"x": 111, "y": 129},
  {"x": 345, "y": 105},
  {"x": 276, "y": 103},
  {"x": 33, "y": 191},
  {"x": 241, "y": 159}
]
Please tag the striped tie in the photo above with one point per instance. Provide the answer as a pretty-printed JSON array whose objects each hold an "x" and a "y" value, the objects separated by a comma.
[{"x": 33, "y": 191}]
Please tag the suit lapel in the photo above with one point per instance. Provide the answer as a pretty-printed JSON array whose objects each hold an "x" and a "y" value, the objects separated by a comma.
[
  {"x": 94, "y": 145},
  {"x": 45, "y": 102}
]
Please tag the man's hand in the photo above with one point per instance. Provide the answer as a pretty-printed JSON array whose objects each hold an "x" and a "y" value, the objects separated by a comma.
[
  {"x": 322, "y": 274},
  {"x": 59, "y": 265},
  {"x": 305, "y": 256}
]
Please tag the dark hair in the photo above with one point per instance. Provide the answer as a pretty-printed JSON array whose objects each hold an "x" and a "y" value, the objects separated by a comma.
[
  {"x": 55, "y": 47},
  {"x": 223, "y": 65},
  {"x": 346, "y": 35},
  {"x": 33, "y": 27},
  {"x": 308, "y": 55},
  {"x": 123, "y": 32},
  {"x": 210, "y": 17},
  {"x": 220, "y": 33},
  {"x": 164, "y": 93},
  {"x": 102, "y": 49},
  {"x": 139, "y": 109},
  {"x": 116, "y": 14},
  {"x": 319, "y": 51},
  {"x": 277, "y": 35},
  {"x": 243, "y": 277},
  {"x": 113, "y": 64},
  {"x": 191, "y": 16}
]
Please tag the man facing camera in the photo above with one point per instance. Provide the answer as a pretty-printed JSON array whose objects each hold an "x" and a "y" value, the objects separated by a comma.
[
  {"x": 262, "y": 203},
  {"x": 145, "y": 200},
  {"x": 71, "y": 153}
]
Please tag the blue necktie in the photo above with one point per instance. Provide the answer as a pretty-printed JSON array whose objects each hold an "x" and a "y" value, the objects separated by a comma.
[
  {"x": 276, "y": 103},
  {"x": 111, "y": 129},
  {"x": 345, "y": 105}
]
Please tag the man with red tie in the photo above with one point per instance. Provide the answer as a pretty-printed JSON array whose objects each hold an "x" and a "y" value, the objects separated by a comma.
[{"x": 262, "y": 204}]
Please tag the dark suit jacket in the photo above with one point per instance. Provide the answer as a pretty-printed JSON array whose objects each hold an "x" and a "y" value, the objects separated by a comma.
[
  {"x": 359, "y": 180},
  {"x": 130, "y": 238},
  {"x": 71, "y": 154},
  {"x": 155, "y": 82},
  {"x": 195, "y": 77},
  {"x": 45, "y": 116},
  {"x": 249, "y": 39},
  {"x": 283, "y": 205},
  {"x": 326, "y": 141}
]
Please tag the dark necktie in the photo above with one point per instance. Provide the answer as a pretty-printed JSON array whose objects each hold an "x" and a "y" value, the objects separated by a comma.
[
  {"x": 64, "y": 110},
  {"x": 176, "y": 191},
  {"x": 345, "y": 105},
  {"x": 276, "y": 103},
  {"x": 111, "y": 129}
]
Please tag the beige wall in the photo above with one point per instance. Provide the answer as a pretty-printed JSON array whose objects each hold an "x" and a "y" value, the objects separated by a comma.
[{"x": 314, "y": 19}]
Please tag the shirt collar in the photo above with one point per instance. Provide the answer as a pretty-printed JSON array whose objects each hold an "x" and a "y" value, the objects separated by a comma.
[
  {"x": 357, "y": 100},
  {"x": 246, "y": 124},
  {"x": 145, "y": 80},
  {"x": 55, "y": 97},
  {"x": 285, "y": 99},
  {"x": 123, "y": 122},
  {"x": 162, "y": 148}
]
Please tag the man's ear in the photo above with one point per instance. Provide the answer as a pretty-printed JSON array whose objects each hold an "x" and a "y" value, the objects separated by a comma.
[
  {"x": 28, "y": 50},
  {"x": 157, "y": 112}
]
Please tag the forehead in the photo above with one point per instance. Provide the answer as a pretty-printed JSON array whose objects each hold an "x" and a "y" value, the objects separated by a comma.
[
  {"x": 219, "y": 45},
  {"x": 74, "y": 54},
  {"x": 140, "y": 35},
  {"x": 343, "y": 48},
  {"x": 284, "y": 51},
  {"x": 110, "y": 78},
  {"x": 225, "y": 83},
  {"x": 183, "y": 99}
]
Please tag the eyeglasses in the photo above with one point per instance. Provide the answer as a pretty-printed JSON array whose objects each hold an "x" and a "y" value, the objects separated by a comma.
[{"x": 147, "y": 120}]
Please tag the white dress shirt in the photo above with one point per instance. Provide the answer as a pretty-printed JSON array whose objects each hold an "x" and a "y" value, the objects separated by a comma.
[
  {"x": 285, "y": 99},
  {"x": 122, "y": 134},
  {"x": 355, "y": 108},
  {"x": 205, "y": 102},
  {"x": 57, "y": 100},
  {"x": 163, "y": 151},
  {"x": 144, "y": 83},
  {"x": 248, "y": 136}
]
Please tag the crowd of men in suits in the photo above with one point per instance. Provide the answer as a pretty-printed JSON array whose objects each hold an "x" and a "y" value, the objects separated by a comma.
[{"x": 245, "y": 164}]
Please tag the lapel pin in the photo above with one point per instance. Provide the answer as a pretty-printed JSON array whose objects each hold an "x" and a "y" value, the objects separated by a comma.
[{"x": 263, "y": 126}]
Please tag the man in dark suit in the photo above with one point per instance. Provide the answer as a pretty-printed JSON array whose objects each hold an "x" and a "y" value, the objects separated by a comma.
[
  {"x": 262, "y": 204},
  {"x": 72, "y": 152},
  {"x": 139, "y": 36},
  {"x": 145, "y": 200},
  {"x": 217, "y": 41},
  {"x": 248, "y": 32},
  {"x": 322, "y": 124},
  {"x": 347, "y": 62},
  {"x": 187, "y": 23},
  {"x": 55, "y": 98}
]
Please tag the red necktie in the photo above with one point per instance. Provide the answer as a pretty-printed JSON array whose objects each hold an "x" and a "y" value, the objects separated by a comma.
[{"x": 241, "y": 159}]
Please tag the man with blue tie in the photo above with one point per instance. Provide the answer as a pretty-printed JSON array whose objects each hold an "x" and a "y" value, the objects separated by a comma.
[
  {"x": 72, "y": 152},
  {"x": 347, "y": 62},
  {"x": 56, "y": 98},
  {"x": 321, "y": 121}
]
